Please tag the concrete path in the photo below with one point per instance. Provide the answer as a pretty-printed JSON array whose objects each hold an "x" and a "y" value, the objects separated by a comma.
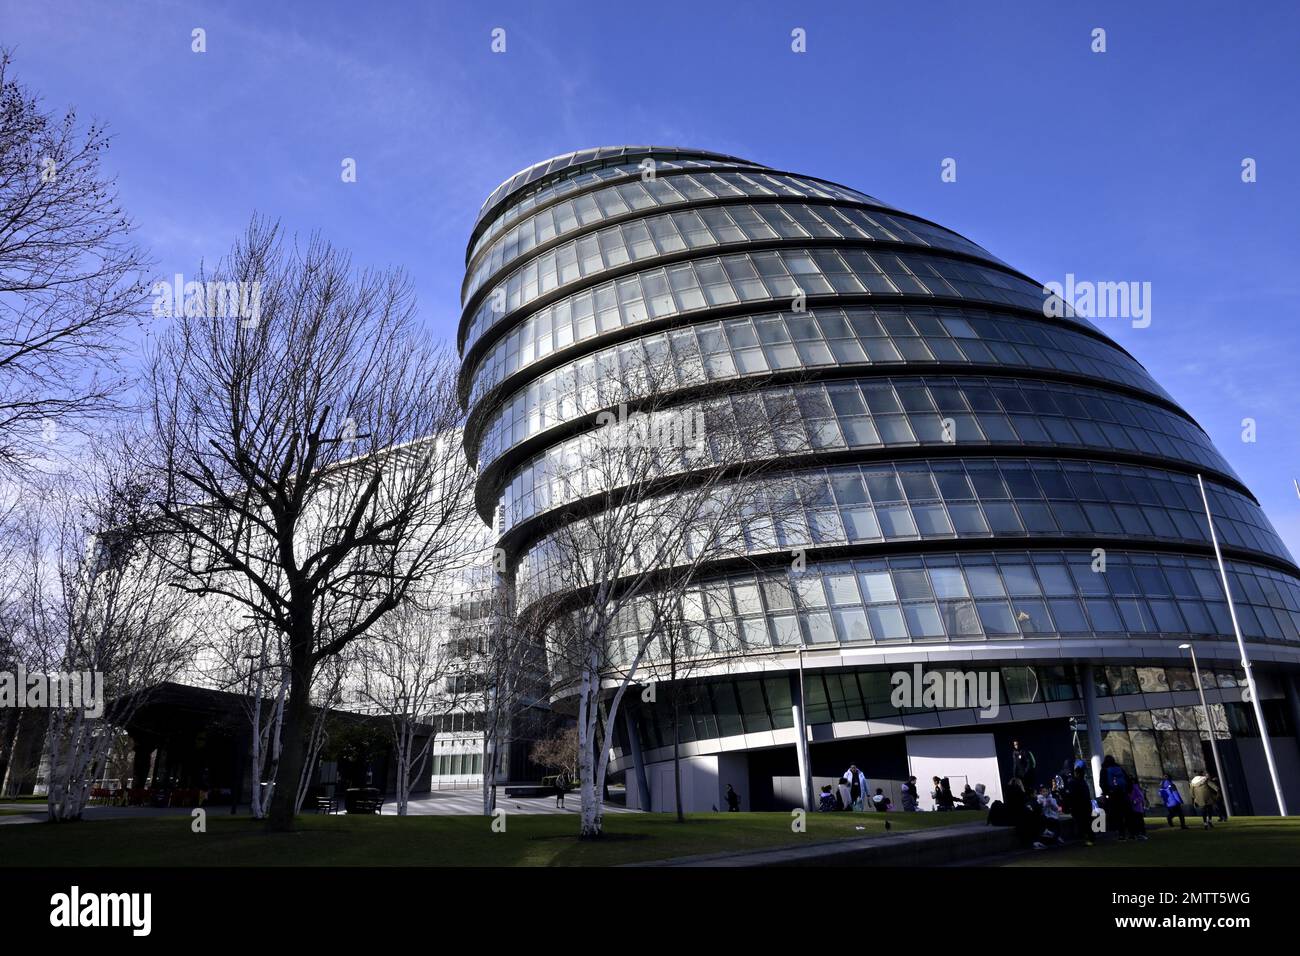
[
  {"x": 36, "y": 813},
  {"x": 470, "y": 803},
  {"x": 931, "y": 846},
  {"x": 438, "y": 803}
]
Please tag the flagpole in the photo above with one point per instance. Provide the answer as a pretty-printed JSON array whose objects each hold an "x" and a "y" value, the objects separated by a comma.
[{"x": 1245, "y": 659}]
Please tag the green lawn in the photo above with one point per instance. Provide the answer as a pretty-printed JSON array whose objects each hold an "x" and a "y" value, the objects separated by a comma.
[
  {"x": 543, "y": 840},
  {"x": 529, "y": 840},
  {"x": 1243, "y": 841}
]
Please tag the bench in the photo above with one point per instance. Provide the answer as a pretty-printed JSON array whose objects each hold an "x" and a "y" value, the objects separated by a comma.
[{"x": 530, "y": 791}]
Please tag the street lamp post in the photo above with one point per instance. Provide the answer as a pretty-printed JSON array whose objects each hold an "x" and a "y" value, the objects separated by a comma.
[
  {"x": 1209, "y": 724},
  {"x": 1245, "y": 659},
  {"x": 801, "y": 746}
]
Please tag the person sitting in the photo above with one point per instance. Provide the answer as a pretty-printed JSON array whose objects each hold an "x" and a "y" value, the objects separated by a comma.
[
  {"x": 981, "y": 792},
  {"x": 880, "y": 801},
  {"x": 827, "y": 800},
  {"x": 970, "y": 800},
  {"x": 1027, "y": 817},
  {"x": 1051, "y": 808}
]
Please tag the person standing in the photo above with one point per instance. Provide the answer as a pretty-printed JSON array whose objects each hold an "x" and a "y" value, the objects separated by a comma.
[
  {"x": 1115, "y": 784},
  {"x": 1022, "y": 765},
  {"x": 1220, "y": 805},
  {"x": 910, "y": 803},
  {"x": 844, "y": 797},
  {"x": 1138, "y": 804},
  {"x": 946, "y": 799},
  {"x": 1205, "y": 793},
  {"x": 858, "y": 787},
  {"x": 1078, "y": 803},
  {"x": 733, "y": 800},
  {"x": 1173, "y": 801}
]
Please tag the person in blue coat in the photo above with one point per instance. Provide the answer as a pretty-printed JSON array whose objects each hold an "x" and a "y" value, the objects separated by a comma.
[{"x": 1173, "y": 801}]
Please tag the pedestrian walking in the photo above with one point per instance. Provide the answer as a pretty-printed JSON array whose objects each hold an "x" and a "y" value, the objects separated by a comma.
[
  {"x": 1173, "y": 801},
  {"x": 1205, "y": 794}
]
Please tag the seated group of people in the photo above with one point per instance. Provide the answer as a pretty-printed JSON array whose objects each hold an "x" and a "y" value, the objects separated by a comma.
[
  {"x": 971, "y": 799},
  {"x": 852, "y": 792},
  {"x": 1066, "y": 805}
]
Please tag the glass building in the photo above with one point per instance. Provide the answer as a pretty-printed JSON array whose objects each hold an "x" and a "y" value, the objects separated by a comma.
[{"x": 978, "y": 447}]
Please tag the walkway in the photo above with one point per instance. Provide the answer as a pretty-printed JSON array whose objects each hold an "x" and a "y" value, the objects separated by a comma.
[
  {"x": 437, "y": 803},
  {"x": 470, "y": 802},
  {"x": 930, "y": 846}
]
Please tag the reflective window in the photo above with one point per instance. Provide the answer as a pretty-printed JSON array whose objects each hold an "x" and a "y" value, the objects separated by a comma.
[
  {"x": 676, "y": 188},
  {"x": 760, "y": 344},
  {"x": 752, "y": 277},
  {"x": 919, "y": 599},
  {"x": 974, "y": 494}
]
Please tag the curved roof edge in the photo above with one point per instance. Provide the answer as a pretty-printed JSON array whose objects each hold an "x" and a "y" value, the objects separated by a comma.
[{"x": 580, "y": 157}]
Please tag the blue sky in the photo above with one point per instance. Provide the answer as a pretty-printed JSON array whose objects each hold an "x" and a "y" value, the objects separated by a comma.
[{"x": 1123, "y": 165}]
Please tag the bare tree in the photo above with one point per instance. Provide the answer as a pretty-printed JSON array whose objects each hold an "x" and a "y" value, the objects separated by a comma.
[
  {"x": 509, "y": 666},
  {"x": 327, "y": 693},
  {"x": 686, "y": 640},
  {"x": 311, "y": 451},
  {"x": 102, "y": 610},
  {"x": 558, "y": 752},
  {"x": 408, "y": 675},
  {"x": 71, "y": 280},
  {"x": 13, "y": 633},
  {"x": 662, "y": 490}
]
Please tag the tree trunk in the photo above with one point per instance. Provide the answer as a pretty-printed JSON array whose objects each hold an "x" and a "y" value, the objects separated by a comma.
[
  {"x": 489, "y": 776},
  {"x": 293, "y": 752},
  {"x": 8, "y": 746},
  {"x": 13, "y": 758},
  {"x": 589, "y": 797},
  {"x": 677, "y": 757}
]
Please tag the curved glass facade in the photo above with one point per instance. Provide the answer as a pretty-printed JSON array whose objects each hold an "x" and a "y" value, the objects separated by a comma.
[
  {"x": 970, "y": 447},
  {"x": 713, "y": 282},
  {"x": 909, "y": 413},
  {"x": 559, "y": 219},
  {"x": 993, "y": 595},
  {"x": 813, "y": 341}
]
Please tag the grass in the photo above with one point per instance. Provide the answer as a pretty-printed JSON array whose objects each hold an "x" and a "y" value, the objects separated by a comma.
[
  {"x": 544, "y": 840},
  {"x": 529, "y": 840},
  {"x": 1243, "y": 841}
]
